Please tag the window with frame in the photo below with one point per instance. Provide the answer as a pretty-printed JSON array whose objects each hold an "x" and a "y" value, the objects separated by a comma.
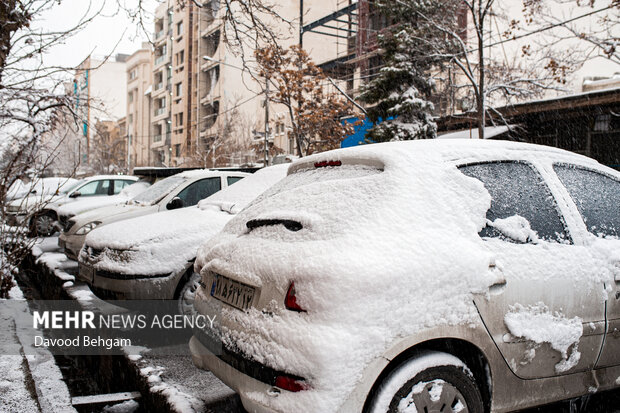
[
  {"x": 232, "y": 179},
  {"x": 180, "y": 28},
  {"x": 178, "y": 89},
  {"x": 596, "y": 195},
  {"x": 516, "y": 188},
  {"x": 95, "y": 188},
  {"x": 199, "y": 190},
  {"x": 119, "y": 184}
]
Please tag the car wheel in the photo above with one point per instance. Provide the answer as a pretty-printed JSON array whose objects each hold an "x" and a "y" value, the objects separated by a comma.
[
  {"x": 431, "y": 382},
  {"x": 42, "y": 225},
  {"x": 187, "y": 294}
]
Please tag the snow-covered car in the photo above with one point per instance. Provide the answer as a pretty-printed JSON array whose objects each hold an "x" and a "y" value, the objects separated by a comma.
[
  {"x": 184, "y": 189},
  {"x": 435, "y": 275},
  {"x": 66, "y": 211},
  {"x": 39, "y": 186},
  {"x": 42, "y": 211},
  {"x": 151, "y": 257}
]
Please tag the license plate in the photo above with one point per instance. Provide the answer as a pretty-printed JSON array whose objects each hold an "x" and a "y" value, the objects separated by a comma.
[
  {"x": 87, "y": 273},
  {"x": 232, "y": 292}
]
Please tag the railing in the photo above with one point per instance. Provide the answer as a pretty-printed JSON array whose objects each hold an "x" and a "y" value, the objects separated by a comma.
[
  {"x": 159, "y": 85},
  {"x": 157, "y": 138},
  {"x": 160, "y": 59},
  {"x": 160, "y": 111},
  {"x": 159, "y": 34}
]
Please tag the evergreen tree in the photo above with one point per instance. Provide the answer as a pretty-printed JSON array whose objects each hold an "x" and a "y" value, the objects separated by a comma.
[{"x": 413, "y": 49}]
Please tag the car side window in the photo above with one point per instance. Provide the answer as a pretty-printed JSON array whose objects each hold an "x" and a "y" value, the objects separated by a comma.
[
  {"x": 596, "y": 195},
  {"x": 120, "y": 184},
  {"x": 94, "y": 188},
  {"x": 232, "y": 179},
  {"x": 517, "y": 189},
  {"x": 199, "y": 190}
]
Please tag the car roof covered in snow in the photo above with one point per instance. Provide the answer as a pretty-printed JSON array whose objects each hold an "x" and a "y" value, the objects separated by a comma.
[{"x": 381, "y": 155}]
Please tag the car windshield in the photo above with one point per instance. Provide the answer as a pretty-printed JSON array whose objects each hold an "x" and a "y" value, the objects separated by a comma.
[
  {"x": 65, "y": 189},
  {"x": 158, "y": 190}
]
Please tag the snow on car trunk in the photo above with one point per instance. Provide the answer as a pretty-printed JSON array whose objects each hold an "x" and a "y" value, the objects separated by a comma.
[{"x": 359, "y": 262}]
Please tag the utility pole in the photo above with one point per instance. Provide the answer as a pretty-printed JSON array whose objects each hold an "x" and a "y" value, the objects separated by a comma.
[{"x": 266, "y": 120}]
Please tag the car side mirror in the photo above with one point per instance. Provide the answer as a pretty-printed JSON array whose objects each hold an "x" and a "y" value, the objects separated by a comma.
[
  {"x": 515, "y": 228},
  {"x": 75, "y": 194},
  {"x": 175, "y": 203}
]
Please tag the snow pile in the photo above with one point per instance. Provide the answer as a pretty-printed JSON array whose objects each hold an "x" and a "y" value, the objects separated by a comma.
[
  {"x": 180, "y": 401},
  {"x": 536, "y": 323}
]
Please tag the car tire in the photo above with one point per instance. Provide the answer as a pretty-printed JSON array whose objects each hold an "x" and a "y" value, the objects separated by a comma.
[
  {"x": 187, "y": 293},
  {"x": 430, "y": 382},
  {"x": 42, "y": 224}
]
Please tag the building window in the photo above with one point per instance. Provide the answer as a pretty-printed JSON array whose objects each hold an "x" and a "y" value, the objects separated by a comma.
[
  {"x": 130, "y": 97},
  {"x": 130, "y": 118},
  {"x": 179, "y": 28},
  {"x": 180, "y": 57},
  {"x": 178, "y": 89},
  {"x": 133, "y": 74},
  {"x": 179, "y": 119},
  {"x": 177, "y": 150}
]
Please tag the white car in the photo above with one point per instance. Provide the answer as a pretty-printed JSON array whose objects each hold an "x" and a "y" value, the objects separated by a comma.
[
  {"x": 39, "y": 211},
  {"x": 151, "y": 257},
  {"x": 421, "y": 276},
  {"x": 39, "y": 186},
  {"x": 182, "y": 190}
]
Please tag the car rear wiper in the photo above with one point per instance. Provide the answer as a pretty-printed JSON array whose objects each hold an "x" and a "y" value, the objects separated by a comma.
[{"x": 288, "y": 224}]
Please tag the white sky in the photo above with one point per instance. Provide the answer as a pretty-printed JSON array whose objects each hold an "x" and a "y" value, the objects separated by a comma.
[{"x": 99, "y": 37}]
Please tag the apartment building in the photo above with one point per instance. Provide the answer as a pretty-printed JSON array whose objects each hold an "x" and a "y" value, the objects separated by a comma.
[
  {"x": 101, "y": 91},
  {"x": 138, "y": 118}
]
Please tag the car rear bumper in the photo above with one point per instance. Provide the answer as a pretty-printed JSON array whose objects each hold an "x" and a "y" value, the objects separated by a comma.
[{"x": 233, "y": 378}]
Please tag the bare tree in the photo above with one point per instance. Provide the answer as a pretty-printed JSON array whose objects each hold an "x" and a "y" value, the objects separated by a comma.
[
  {"x": 315, "y": 113},
  {"x": 31, "y": 93}
]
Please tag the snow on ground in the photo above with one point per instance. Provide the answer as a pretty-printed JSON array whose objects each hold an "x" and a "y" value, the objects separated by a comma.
[
  {"x": 58, "y": 262},
  {"x": 538, "y": 324},
  {"x": 16, "y": 387}
]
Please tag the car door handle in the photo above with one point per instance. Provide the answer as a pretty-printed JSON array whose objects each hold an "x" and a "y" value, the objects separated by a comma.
[{"x": 499, "y": 284}]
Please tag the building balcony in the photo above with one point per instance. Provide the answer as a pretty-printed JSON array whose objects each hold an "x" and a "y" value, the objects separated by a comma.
[
  {"x": 158, "y": 86},
  {"x": 160, "y": 34},
  {"x": 159, "y": 60}
]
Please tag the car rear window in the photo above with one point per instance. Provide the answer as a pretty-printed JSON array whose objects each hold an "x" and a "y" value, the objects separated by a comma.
[
  {"x": 304, "y": 177},
  {"x": 517, "y": 189},
  {"x": 596, "y": 195}
]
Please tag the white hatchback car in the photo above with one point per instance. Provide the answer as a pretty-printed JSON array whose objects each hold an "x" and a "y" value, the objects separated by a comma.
[{"x": 418, "y": 276}]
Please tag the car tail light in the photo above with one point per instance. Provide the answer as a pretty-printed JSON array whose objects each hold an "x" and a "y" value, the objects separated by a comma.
[
  {"x": 324, "y": 164},
  {"x": 291, "y": 383},
  {"x": 290, "y": 301}
]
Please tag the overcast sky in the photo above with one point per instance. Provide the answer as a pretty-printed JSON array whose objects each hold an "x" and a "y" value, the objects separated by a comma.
[{"x": 100, "y": 37}]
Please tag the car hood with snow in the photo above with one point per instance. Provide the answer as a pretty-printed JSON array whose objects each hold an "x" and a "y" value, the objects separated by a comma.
[{"x": 166, "y": 241}]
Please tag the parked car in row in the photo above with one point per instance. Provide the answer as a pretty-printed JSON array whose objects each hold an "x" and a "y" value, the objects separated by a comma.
[
  {"x": 151, "y": 257},
  {"x": 39, "y": 186},
  {"x": 40, "y": 210},
  {"x": 418, "y": 276},
  {"x": 184, "y": 189}
]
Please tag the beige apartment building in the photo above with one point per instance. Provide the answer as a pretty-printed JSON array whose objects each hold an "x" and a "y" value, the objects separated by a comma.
[
  {"x": 204, "y": 109},
  {"x": 138, "y": 118}
]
